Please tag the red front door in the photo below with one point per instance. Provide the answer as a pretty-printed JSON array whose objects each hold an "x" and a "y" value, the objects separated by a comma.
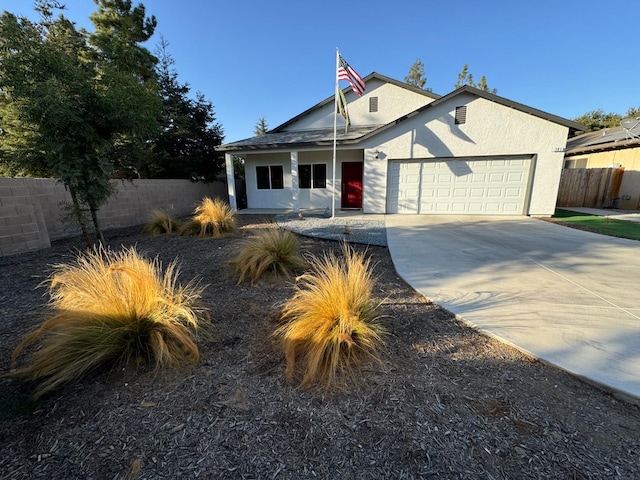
[{"x": 351, "y": 185}]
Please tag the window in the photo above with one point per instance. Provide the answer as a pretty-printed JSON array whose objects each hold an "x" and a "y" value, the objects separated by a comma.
[
  {"x": 461, "y": 115},
  {"x": 271, "y": 177},
  {"x": 313, "y": 175},
  {"x": 373, "y": 104},
  {"x": 262, "y": 173},
  {"x": 304, "y": 171},
  {"x": 319, "y": 175}
]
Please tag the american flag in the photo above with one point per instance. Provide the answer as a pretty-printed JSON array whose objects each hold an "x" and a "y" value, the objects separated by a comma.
[{"x": 345, "y": 72}]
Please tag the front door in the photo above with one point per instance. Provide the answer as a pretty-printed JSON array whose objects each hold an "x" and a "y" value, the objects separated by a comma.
[{"x": 351, "y": 185}]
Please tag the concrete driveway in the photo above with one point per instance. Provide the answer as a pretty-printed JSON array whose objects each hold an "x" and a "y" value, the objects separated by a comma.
[{"x": 567, "y": 297}]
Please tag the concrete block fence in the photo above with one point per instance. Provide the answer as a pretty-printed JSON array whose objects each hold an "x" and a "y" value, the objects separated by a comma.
[{"x": 32, "y": 209}]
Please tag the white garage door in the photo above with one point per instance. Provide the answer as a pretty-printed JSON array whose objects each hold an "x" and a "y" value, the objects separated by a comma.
[{"x": 496, "y": 186}]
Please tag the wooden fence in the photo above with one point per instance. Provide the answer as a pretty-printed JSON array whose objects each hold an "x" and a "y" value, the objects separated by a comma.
[{"x": 589, "y": 187}]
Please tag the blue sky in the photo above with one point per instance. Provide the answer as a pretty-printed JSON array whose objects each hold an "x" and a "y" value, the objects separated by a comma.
[{"x": 275, "y": 59}]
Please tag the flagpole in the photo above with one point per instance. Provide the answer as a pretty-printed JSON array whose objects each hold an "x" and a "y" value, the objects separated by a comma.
[{"x": 335, "y": 129}]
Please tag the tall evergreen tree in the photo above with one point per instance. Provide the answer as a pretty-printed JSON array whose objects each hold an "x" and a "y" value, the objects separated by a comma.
[
  {"x": 261, "y": 127},
  {"x": 416, "y": 75},
  {"x": 185, "y": 144},
  {"x": 466, "y": 78}
]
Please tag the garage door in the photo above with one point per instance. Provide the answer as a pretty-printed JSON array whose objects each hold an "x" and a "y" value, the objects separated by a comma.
[{"x": 495, "y": 186}]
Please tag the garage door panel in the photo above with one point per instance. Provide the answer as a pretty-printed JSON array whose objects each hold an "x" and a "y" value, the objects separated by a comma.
[
  {"x": 515, "y": 177},
  {"x": 477, "y": 186}
]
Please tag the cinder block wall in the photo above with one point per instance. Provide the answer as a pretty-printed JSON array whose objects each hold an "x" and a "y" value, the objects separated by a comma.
[
  {"x": 22, "y": 223},
  {"x": 32, "y": 209}
]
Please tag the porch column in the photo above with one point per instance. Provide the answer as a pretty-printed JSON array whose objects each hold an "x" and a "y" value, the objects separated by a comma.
[
  {"x": 295, "y": 184},
  {"x": 231, "y": 181}
]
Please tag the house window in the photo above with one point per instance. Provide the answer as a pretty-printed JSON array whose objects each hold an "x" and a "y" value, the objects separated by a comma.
[
  {"x": 271, "y": 177},
  {"x": 319, "y": 175},
  {"x": 313, "y": 176},
  {"x": 461, "y": 115},
  {"x": 304, "y": 173},
  {"x": 373, "y": 104}
]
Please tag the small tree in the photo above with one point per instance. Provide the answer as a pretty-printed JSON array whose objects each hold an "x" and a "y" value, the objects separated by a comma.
[
  {"x": 482, "y": 85},
  {"x": 598, "y": 119},
  {"x": 261, "y": 127},
  {"x": 416, "y": 75},
  {"x": 72, "y": 102},
  {"x": 633, "y": 112},
  {"x": 466, "y": 78}
]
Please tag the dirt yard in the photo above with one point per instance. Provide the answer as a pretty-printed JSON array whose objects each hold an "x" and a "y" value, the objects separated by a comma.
[{"x": 447, "y": 402}]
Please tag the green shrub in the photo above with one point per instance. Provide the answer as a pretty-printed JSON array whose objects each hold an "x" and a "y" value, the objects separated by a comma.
[
  {"x": 330, "y": 324},
  {"x": 273, "y": 250},
  {"x": 112, "y": 307}
]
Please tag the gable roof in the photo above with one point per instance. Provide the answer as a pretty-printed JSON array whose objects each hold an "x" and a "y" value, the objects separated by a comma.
[
  {"x": 613, "y": 138},
  {"x": 277, "y": 138},
  {"x": 330, "y": 99},
  {"x": 573, "y": 126}
]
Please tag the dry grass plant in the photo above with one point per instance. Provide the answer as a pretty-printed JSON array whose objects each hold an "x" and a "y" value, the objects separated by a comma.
[
  {"x": 212, "y": 218},
  {"x": 272, "y": 250},
  {"x": 331, "y": 323},
  {"x": 112, "y": 307},
  {"x": 161, "y": 222}
]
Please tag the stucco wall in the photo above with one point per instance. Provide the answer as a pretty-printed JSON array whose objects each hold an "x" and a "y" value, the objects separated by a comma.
[
  {"x": 490, "y": 129},
  {"x": 393, "y": 102},
  {"x": 31, "y": 209},
  {"x": 308, "y": 198}
]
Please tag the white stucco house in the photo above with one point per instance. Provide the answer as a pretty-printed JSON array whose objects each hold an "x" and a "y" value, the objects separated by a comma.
[{"x": 409, "y": 151}]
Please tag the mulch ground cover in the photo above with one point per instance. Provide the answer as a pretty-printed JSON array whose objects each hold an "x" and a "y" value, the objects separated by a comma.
[{"x": 445, "y": 402}]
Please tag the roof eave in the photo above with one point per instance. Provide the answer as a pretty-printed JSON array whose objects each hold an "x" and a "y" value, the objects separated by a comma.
[
  {"x": 573, "y": 126},
  {"x": 603, "y": 147},
  {"x": 284, "y": 145}
]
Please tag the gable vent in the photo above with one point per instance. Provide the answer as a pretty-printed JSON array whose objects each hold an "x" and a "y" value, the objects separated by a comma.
[
  {"x": 373, "y": 104},
  {"x": 461, "y": 115}
]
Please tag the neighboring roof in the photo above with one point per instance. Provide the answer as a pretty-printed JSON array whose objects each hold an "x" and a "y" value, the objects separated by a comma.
[
  {"x": 330, "y": 99},
  {"x": 276, "y": 138},
  {"x": 613, "y": 138}
]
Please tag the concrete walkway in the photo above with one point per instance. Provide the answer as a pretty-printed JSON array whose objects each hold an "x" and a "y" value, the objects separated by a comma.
[
  {"x": 628, "y": 215},
  {"x": 568, "y": 297}
]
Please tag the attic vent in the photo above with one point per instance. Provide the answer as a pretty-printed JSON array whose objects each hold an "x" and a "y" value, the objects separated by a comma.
[
  {"x": 373, "y": 104},
  {"x": 461, "y": 115}
]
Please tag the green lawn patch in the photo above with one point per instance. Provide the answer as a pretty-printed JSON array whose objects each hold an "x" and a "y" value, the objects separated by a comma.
[{"x": 597, "y": 224}]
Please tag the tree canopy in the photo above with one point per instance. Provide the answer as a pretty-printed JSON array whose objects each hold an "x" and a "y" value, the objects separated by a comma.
[
  {"x": 598, "y": 119},
  {"x": 87, "y": 107},
  {"x": 70, "y": 97},
  {"x": 466, "y": 78},
  {"x": 261, "y": 127},
  {"x": 185, "y": 144},
  {"x": 416, "y": 75}
]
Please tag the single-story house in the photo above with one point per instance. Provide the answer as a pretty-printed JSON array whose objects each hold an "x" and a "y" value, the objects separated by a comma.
[
  {"x": 610, "y": 148},
  {"x": 408, "y": 150}
]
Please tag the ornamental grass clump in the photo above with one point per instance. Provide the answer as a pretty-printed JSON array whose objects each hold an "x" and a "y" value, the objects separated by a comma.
[
  {"x": 161, "y": 222},
  {"x": 273, "y": 251},
  {"x": 112, "y": 307},
  {"x": 331, "y": 323},
  {"x": 212, "y": 218}
]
